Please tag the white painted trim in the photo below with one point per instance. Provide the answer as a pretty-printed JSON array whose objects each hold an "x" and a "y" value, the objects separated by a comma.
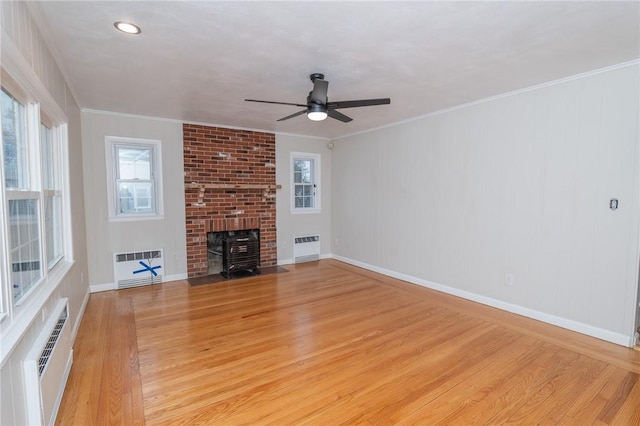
[
  {"x": 579, "y": 327},
  {"x": 317, "y": 181},
  {"x": 30, "y": 311},
  {"x": 97, "y": 288},
  {"x": 83, "y": 308},
  {"x": 198, "y": 123},
  {"x": 496, "y": 97},
  {"x": 292, "y": 262},
  {"x": 175, "y": 277},
  {"x": 155, "y": 145},
  {"x": 15, "y": 64}
]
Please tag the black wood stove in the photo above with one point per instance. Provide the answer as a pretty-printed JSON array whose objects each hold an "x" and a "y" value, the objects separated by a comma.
[{"x": 240, "y": 253}]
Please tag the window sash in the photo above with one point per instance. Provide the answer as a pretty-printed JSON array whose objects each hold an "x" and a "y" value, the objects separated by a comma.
[
  {"x": 53, "y": 225},
  {"x": 135, "y": 196},
  {"x": 33, "y": 207},
  {"x": 25, "y": 248},
  {"x": 304, "y": 182},
  {"x": 134, "y": 178},
  {"x": 14, "y": 142}
]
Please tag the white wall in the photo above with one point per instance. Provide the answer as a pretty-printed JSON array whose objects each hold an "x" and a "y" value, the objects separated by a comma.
[
  {"x": 517, "y": 184},
  {"x": 19, "y": 33},
  {"x": 292, "y": 225},
  {"x": 105, "y": 237}
]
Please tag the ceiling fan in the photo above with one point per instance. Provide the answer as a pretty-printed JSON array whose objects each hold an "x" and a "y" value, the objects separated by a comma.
[{"x": 318, "y": 106}]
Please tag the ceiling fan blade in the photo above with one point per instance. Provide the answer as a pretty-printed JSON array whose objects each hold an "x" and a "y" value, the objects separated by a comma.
[
  {"x": 360, "y": 103},
  {"x": 319, "y": 93},
  {"x": 338, "y": 116},
  {"x": 274, "y": 102},
  {"x": 304, "y": 111}
]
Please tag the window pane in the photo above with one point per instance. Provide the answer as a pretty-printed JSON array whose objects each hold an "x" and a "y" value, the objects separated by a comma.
[
  {"x": 134, "y": 163},
  {"x": 53, "y": 229},
  {"x": 135, "y": 197},
  {"x": 25, "y": 246},
  {"x": 48, "y": 165},
  {"x": 14, "y": 142},
  {"x": 308, "y": 202}
]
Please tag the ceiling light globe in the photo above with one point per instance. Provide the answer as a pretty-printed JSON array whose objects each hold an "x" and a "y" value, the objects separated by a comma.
[
  {"x": 127, "y": 27},
  {"x": 317, "y": 115},
  {"x": 317, "y": 112}
]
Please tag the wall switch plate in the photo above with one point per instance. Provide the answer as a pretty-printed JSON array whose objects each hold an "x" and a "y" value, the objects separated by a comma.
[{"x": 509, "y": 279}]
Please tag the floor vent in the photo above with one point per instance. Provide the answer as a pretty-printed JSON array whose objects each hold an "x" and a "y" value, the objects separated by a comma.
[
  {"x": 306, "y": 249},
  {"x": 47, "y": 366},
  {"x": 137, "y": 269}
]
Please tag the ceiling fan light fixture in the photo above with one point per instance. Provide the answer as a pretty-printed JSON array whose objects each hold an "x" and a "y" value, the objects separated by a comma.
[
  {"x": 127, "y": 27},
  {"x": 317, "y": 112}
]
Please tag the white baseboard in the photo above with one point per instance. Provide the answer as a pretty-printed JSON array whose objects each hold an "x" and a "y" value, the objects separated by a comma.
[
  {"x": 96, "y": 288},
  {"x": 589, "y": 330},
  {"x": 175, "y": 277},
  {"x": 83, "y": 307},
  {"x": 291, "y": 261}
]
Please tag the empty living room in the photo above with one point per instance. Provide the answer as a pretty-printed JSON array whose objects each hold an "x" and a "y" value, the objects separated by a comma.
[{"x": 320, "y": 212}]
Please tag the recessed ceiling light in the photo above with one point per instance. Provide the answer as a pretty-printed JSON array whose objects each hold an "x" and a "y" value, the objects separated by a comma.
[{"x": 127, "y": 27}]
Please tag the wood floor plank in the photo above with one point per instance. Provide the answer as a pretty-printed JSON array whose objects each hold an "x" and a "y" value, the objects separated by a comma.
[{"x": 329, "y": 343}]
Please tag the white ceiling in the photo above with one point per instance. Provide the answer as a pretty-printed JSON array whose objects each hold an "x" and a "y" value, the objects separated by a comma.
[{"x": 198, "y": 60}]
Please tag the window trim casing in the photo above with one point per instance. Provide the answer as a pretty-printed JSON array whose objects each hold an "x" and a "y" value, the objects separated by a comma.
[
  {"x": 317, "y": 167},
  {"x": 15, "y": 319},
  {"x": 112, "y": 213}
]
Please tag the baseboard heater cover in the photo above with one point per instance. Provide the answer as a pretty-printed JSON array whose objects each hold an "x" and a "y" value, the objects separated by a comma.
[
  {"x": 46, "y": 367},
  {"x": 306, "y": 248},
  {"x": 135, "y": 269}
]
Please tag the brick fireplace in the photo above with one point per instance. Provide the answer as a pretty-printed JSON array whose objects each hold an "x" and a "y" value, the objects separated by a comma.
[{"x": 230, "y": 182}]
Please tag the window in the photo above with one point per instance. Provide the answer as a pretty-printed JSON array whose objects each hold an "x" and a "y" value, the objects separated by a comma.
[
  {"x": 305, "y": 183},
  {"x": 52, "y": 191},
  {"x": 32, "y": 196},
  {"x": 134, "y": 178}
]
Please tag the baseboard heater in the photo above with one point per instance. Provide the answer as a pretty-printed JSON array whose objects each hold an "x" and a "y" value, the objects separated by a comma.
[
  {"x": 135, "y": 269},
  {"x": 306, "y": 248},
  {"x": 46, "y": 367}
]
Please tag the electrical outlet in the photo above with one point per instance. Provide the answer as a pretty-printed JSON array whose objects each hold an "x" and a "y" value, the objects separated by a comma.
[{"x": 509, "y": 279}]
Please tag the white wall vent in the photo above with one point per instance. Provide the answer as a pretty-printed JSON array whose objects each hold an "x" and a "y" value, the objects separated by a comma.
[
  {"x": 47, "y": 366},
  {"x": 306, "y": 249},
  {"x": 140, "y": 268}
]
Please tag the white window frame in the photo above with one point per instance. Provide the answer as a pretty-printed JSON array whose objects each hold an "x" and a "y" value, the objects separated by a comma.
[
  {"x": 315, "y": 177},
  {"x": 56, "y": 134},
  {"x": 111, "y": 143},
  {"x": 15, "y": 314}
]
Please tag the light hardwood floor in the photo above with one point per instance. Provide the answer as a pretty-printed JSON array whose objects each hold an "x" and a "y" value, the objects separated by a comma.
[{"x": 327, "y": 344}]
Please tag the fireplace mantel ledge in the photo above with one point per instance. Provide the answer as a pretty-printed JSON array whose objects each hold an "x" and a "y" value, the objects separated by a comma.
[{"x": 202, "y": 187}]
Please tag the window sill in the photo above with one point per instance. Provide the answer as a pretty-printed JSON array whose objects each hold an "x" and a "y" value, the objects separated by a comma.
[
  {"x": 305, "y": 211},
  {"x": 136, "y": 218}
]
